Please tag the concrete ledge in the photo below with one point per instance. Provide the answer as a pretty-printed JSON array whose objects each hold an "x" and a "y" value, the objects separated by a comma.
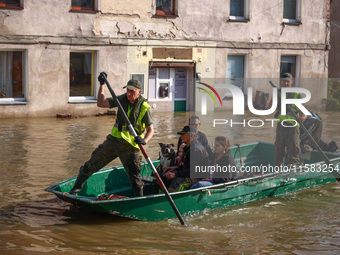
[{"x": 105, "y": 41}]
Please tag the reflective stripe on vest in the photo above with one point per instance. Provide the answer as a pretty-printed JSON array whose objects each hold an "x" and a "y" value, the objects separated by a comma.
[
  {"x": 289, "y": 118},
  {"x": 139, "y": 127}
]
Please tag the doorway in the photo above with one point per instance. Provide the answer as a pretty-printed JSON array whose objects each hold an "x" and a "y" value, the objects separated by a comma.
[{"x": 170, "y": 85}]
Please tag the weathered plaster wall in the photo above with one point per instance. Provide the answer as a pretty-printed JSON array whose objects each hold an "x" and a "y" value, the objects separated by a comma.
[
  {"x": 208, "y": 20},
  {"x": 46, "y": 18},
  {"x": 264, "y": 66},
  {"x": 48, "y": 79},
  {"x": 122, "y": 30},
  {"x": 204, "y": 20}
]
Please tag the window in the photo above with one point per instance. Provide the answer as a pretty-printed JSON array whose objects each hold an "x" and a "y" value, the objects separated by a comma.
[
  {"x": 235, "y": 70},
  {"x": 163, "y": 83},
  {"x": 83, "y": 5},
  {"x": 11, "y": 4},
  {"x": 82, "y": 82},
  {"x": 291, "y": 11},
  {"x": 165, "y": 7},
  {"x": 139, "y": 77},
  {"x": 160, "y": 81},
  {"x": 289, "y": 64},
  {"x": 11, "y": 76},
  {"x": 12, "y": 82},
  {"x": 239, "y": 10}
]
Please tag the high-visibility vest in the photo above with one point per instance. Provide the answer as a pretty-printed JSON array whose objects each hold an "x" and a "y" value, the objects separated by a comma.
[
  {"x": 122, "y": 131},
  {"x": 289, "y": 116}
]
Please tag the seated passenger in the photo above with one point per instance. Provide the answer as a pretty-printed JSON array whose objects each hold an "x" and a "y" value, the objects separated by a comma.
[
  {"x": 177, "y": 162},
  {"x": 222, "y": 158},
  {"x": 178, "y": 159},
  {"x": 194, "y": 121},
  {"x": 180, "y": 175}
]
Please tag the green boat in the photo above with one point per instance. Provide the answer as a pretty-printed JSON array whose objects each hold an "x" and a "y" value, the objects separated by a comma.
[{"x": 109, "y": 190}]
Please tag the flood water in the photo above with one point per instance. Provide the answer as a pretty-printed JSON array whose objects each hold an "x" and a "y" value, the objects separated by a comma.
[{"x": 38, "y": 152}]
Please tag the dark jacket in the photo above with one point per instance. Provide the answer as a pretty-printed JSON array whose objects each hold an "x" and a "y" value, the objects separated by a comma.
[
  {"x": 136, "y": 108},
  {"x": 202, "y": 138},
  {"x": 200, "y": 156},
  {"x": 226, "y": 160}
]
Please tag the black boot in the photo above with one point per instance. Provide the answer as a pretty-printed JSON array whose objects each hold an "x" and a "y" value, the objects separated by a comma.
[{"x": 81, "y": 179}]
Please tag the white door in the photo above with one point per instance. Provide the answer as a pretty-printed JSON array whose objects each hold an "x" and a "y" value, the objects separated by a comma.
[{"x": 180, "y": 89}]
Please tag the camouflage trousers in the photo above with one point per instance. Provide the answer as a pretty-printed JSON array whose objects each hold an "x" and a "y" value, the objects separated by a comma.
[
  {"x": 287, "y": 142},
  {"x": 110, "y": 149}
]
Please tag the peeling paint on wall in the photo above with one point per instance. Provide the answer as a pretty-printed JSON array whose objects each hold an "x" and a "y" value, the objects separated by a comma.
[{"x": 123, "y": 34}]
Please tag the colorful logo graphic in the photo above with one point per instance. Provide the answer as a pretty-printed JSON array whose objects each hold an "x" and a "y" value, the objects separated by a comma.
[{"x": 209, "y": 93}]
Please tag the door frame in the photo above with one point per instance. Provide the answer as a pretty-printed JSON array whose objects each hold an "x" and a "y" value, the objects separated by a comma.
[{"x": 154, "y": 83}]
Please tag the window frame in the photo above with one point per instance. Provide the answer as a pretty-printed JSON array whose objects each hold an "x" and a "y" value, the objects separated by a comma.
[
  {"x": 297, "y": 20},
  {"x": 20, "y": 6},
  {"x": 169, "y": 81},
  {"x": 160, "y": 13},
  {"x": 24, "y": 99},
  {"x": 85, "y": 99},
  {"x": 297, "y": 67},
  {"x": 156, "y": 87},
  {"x": 246, "y": 11},
  {"x": 85, "y": 9}
]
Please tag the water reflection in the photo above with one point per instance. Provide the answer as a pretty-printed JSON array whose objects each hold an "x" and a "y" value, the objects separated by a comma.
[{"x": 35, "y": 153}]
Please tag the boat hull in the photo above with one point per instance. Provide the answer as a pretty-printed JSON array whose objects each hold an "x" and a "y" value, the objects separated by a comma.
[{"x": 154, "y": 207}]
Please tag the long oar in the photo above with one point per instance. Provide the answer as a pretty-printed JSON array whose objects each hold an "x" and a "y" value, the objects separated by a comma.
[
  {"x": 133, "y": 132},
  {"x": 336, "y": 174}
]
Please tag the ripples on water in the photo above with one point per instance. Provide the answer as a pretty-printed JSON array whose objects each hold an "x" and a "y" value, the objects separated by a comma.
[{"x": 36, "y": 153}]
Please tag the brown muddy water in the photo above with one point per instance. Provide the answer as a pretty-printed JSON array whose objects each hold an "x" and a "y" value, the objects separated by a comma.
[{"x": 38, "y": 152}]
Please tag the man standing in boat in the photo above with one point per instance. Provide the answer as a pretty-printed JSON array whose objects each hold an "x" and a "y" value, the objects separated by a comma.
[
  {"x": 120, "y": 143},
  {"x": 288, "y": 129}
]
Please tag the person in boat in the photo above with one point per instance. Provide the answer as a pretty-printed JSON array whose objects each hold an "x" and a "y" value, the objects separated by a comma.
[
  {"x": 222, "y": 160},
  {"x": 180, "y": 175},
  {"x": 195, "y": 122},
  {"x": 178, "y": 162},
  {"x": 120, "y": 143},
  {"x": 178, "y": 159},
  {"x": 288, "y": 129}
]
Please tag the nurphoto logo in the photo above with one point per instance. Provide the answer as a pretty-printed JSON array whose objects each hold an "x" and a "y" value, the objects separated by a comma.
[{"x": 238, "y": 103}]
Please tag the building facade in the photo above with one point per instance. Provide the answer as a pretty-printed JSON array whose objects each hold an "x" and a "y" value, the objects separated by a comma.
[{"x": 51, "y": 52}]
